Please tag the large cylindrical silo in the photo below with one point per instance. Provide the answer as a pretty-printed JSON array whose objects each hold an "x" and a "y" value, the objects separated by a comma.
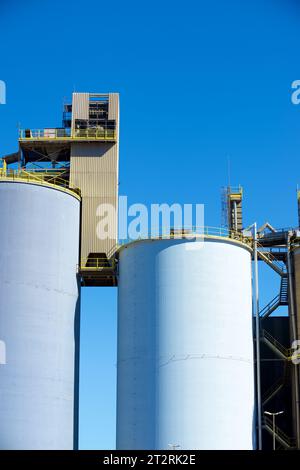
[
  {"x": 185, "y": 345},
  {"x": 39, "y": 316}
]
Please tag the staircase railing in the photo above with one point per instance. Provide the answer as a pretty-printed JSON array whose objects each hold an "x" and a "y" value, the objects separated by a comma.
[
  {"x": 271, "y": 260},
  {"x": 280, "y": 436},
  {"x": 275, "y": 387},
  {"x": 283, "y": 352},
  {"x": 270, "y": 307}
]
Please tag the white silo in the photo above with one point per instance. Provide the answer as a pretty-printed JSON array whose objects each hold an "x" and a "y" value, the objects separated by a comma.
[
  {"x": 185, "y": 345},
  {"x": 39, "y": 316}
]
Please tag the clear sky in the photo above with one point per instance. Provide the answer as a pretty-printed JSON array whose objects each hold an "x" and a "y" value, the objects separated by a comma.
[{"x": 199, "y": 82}]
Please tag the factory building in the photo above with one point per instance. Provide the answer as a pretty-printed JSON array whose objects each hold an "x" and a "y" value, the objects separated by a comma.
[{"x": 200, "y": 362}]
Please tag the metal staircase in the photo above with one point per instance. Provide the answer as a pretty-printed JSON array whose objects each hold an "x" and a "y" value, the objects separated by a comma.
[
  {"x": 273, "y": 390},
  {"x": 270, "y": 307},
  {"x": 284, "y": 440},
  {"x": 280, "y": 299},
  {"x": 273, "y": 248},
  {"x": 276, "y": 386},
  {"x": 275, "y": 346},
  {"x": 271, "y": 260},
  {"x": 285, "y": 354},
  {"x": 284, "y": 291}
]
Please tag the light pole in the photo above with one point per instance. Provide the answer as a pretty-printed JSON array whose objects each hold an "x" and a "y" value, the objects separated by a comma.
[
  {"x": 273, "y": 421},
  {"x": 174, "y": 446}
]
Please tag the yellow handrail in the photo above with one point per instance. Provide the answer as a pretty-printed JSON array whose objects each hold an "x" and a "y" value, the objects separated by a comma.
[
  {"x": 91, "y": 264},
  {"x": 67, "y": 134},
  {"x": 42, "y": 178},
  {"x": 289, "y": 353},
  {"x": 192, "y": 232}
]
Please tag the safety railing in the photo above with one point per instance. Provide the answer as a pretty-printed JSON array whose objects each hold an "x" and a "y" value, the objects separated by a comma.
[
  {"x": 271, "y": 259},
  {"x": 97, "y": 263},
  {"x": 94, "y": 133},
  {"x": 46, "y": 172},
  {"x": 233, "y": 189},
  {"x": 38, "y": 176},
  {"x": 279, "y": 434},
  {"x": 290, "y": 354},
  {"x": 284, "y": 351},
  {"x": 275, "y": 387},
  {"x": 270, "y": 307},
  {"x": 97, "y": 133},
  {"x": 189, "y": 232},
  {"x": 101, "y": 263},
  {"x": 49, "y": 133}
]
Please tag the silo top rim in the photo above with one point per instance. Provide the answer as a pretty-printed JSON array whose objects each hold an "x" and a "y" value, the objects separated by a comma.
[
  {"x": 241, "y": 241},
  {"x": 45, "y": 184}
]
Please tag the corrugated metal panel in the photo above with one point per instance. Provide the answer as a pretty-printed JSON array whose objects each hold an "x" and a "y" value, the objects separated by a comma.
[
  {"x": 94, "y": 169},
  {"x": 113, "y": 106},
  {"x": 90, "y": 241},
  {"x": 80, "y": 106}
]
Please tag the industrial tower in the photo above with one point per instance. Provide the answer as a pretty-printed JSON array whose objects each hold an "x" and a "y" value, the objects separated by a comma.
[{"x": 83, "y": 156}]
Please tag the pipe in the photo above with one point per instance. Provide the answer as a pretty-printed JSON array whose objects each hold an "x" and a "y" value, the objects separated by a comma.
[
  {"x": 257, "y": 333},
  {"x": 235, "y": 216},
  {"x": 294, "y": 337}
]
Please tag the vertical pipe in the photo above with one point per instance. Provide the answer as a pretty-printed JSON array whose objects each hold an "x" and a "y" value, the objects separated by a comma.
[
  {"x": 76, "y": 368},
  {"x": 294, "y": 337},
  {"x": 257, "y": 333},
  {"x": 274, "y": 430},
  {"x": 235, "y": 216}
]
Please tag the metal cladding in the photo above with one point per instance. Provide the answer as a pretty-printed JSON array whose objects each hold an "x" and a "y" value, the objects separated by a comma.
[
  {"x": 82, "y": 156},
  {"x": 94, "y": 169},
  {"x": 185, "y": 346},
  {"x": 80, "y": 107},
  {"x": 39, "y": 317}
]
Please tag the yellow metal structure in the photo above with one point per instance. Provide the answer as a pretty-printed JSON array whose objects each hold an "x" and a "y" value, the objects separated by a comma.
[
  {"x": 4, "y": 168},
  {"x": 197, "y": 232},
  {"x": 86, "y": 146},
  {"x": 290, "y": 354},
  {"x": 104, "y": 271},
  {"x": 233, "y": 208},
  {"x": 235, "y": 197},
  {"x": 48, "y": 135},
  {"x": 44, "y": 178}
]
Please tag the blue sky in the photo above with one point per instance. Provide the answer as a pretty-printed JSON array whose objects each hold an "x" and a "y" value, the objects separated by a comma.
[{"x": 199, "y": 82}]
